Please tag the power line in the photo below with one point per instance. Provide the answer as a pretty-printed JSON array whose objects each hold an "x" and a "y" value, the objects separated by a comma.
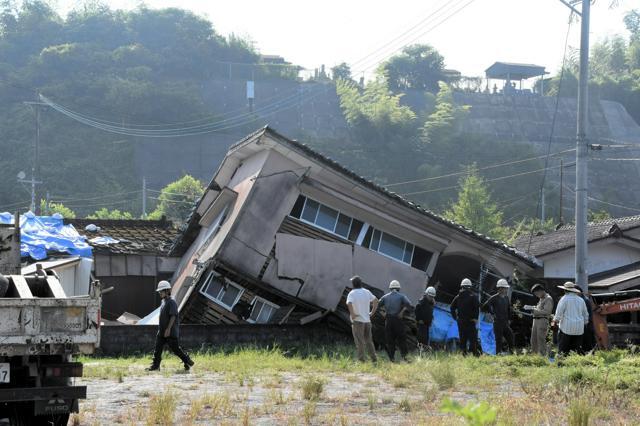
[
  {"x": 100, "y": 197},
  {"x": 507, "y": 163},
  {"x": 486, "y": 180}
]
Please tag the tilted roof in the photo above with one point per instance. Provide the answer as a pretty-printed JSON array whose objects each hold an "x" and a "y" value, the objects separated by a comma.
[
  {"x": 514, "y": 71},
  {"x": 328, "y": 162},
  {"x": 149, "y": 237},
  {"x": 564, "y": 238}
]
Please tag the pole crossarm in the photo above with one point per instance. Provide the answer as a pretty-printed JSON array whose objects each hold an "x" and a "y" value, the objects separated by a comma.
[{"x": 571, "y": 6}]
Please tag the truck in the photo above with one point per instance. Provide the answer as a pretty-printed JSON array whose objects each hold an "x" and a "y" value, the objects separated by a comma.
[{"x": 42, "y": 330}]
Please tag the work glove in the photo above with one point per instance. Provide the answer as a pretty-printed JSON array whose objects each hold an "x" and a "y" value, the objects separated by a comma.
[{"x": 528, "y": 307}]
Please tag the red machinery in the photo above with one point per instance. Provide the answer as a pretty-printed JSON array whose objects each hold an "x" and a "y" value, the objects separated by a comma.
[{"x": 601, "y": 311}]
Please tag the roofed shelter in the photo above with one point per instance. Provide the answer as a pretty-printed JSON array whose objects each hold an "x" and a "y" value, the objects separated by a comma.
[{"x": 510, "y": 72}]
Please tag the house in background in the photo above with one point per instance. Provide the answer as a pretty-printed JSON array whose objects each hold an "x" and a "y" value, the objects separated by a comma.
[
  {"x": 614, "y": 254},
  {"x": 281, "y": 229},
  {"x": 131, "y": 256}
]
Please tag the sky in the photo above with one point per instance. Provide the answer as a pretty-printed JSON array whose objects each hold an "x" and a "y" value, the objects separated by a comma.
[{"x": 470, "y": 34}]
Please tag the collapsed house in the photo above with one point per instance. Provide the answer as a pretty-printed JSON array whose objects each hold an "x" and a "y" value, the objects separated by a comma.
[{"x": 281, "y": 229}]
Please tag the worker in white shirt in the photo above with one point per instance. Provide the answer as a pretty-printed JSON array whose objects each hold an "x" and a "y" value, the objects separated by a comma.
[
  {"x": 362, "y": 305},
  {"x": 571, "y": 317}
]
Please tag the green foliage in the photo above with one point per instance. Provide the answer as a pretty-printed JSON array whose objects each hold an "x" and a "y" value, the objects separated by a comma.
[
  {"x": 53, "y": 208},
  {"x": 418, "y": 66},
  {"x": 341, "y": 72},
  {"x": 598, "y": 215},
  {"x": 176, "y": 200},
  {"x": 105, "y": 213},
  {"x": 580, "y": 412},
  {"x": 143, "y": 66},
  {"x": 475, "y": 414},
  {"x": 312, "y": 387},
  {"x": 442, "y": 122},
  {"x": 474, "y": 207}
]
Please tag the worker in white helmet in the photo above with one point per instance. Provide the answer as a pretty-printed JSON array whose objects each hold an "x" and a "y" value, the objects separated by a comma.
[
  {"x": 499, "y": 305},
  {"x": 168, "y": 329},
  {"x": 465, "y": 309},
  {"x": 395, "y": 304},
  {"x": 424, "y": 315}
]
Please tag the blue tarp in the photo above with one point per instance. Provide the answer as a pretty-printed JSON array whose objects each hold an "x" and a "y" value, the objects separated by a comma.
[
  {"x": 444, "y": 328},
  {"x": 41, "y": 235}
]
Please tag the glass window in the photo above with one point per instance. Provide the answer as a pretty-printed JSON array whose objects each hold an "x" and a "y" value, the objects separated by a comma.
[
  {"x": 366, "y": 241},
  {"x": 327, "y": 218},
  {"x": 297, "y": 207},
  {"x": 262, "y": 311},
  {"x": 375, "y": 240},
  {"x": 220, "y": 291},
  {"x": 214, "y": 286},
  {"x": 421, "y": 258},
  {"x": 408, "y": 252},
  {"x": 310, "y": 211},
  {"x": 392, "y": 246},
  {"x": 356, "y": 227},
  {"x": 343, "y": 225}
]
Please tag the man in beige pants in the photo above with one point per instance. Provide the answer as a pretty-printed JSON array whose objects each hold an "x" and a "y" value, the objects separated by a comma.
[
  {"x": 362, "y": 305},
  {"x": 541, "y": 315}
]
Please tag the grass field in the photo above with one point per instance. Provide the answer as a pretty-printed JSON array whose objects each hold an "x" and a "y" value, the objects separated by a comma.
[{"x": 327, "y": 386}]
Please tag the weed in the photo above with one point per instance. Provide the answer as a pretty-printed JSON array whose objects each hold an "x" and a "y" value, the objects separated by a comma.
[
  {"x": 312, "y": 387},
  {"x": 580, "y": 411},
  {"x": 76, "y": 419},
  {"x": 371, "y": 400},
  {"x": 443, "y": 375},
  {"x": 309, "y": 412},
  {"x": 476, "y": 414},
  {"x": 162, "y": 408},
  {"x": 405, "y": 405},
  {"x": 246, "y": 416},
  {"x": 276, "y": 397}
]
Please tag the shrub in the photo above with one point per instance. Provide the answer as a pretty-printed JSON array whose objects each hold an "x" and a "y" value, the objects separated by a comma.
[
  {"x": 312, "y": 387},
  {"x": 476, "y": 414},
  {"x": 443, "y": 375}
]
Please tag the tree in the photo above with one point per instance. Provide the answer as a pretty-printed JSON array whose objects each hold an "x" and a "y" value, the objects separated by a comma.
[
  {"x": 474, "y": 207},
  {"x": 177, "y": 199},
  {"x": 53, "y": 208},
  {"x": 105, "y": 213},
  {"x": 419, "y": 66},
  {"x": 598, "y": 215},
  {"x": 441, "y": 123},
  {"x": 341, "y": 72}
]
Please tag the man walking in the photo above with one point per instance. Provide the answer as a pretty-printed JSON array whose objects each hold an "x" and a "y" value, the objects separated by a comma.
[
  {"x": 541, "y": 314},
  {"x": 500, "y": 307},
  {"x": 571, "y": 316},
  {"x": 168, "y": 329},
  {"x": 465, "y": 309},
  {"x": 395, "y": 303},
  {"x": 362, "y": 305},
  {"x": 424, "y": 315}
]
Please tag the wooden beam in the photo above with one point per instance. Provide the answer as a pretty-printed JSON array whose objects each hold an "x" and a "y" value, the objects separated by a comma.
[
  {"x": 24, "y": 292},
  {"x": 56, "y": 288}
]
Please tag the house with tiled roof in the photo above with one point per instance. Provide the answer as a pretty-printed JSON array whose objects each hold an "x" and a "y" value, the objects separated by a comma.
[
  {"x": 281, "y": 228},
  {"x": 613, "y": 253},
  {"x": 130, "y": 256}
]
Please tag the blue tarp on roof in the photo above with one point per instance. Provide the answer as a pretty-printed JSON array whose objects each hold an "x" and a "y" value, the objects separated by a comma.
[
  {"x": 41, "y": 235},
  {"x": 444, "y": 328}
]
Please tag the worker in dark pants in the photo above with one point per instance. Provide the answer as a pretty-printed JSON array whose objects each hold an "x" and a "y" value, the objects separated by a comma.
[
  {"x": 465, "y": 309},
  {"x": 168, "y": 329},
  {"x": 424, "y": 315},
  {"x": 571, "y": 317},
  {"x": 395, "y": 303},
  {"x": 499, "y": 306},
  {"x": 588, "y": 337}
]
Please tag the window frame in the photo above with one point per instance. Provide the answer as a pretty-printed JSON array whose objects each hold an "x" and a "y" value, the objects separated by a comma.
[
  {"x": 207, "y": 283},
  {"x": 320, "y": 205},
  {"x": 264, "y": 302}
]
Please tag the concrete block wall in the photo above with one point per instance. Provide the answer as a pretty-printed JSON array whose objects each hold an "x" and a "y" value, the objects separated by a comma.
[{"x": 118, "y": 340}]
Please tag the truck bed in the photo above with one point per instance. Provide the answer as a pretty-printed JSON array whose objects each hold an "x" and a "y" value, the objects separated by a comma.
[{"x": 31, "y": 325}]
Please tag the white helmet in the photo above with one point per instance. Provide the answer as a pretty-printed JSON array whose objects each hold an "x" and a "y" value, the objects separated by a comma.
[
  {"x": 502, "y": 283},
  {"x": 430, "y": 291},
  {"x": 163, "y": 285},
  {"x": 395, "y": 284},
  {"x": 466, "y": 282}
]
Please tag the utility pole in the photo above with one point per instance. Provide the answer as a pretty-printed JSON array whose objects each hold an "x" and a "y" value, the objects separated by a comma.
[
  {"x": 581, "y": 257},
  {"x": 561, "y": 219},
  {"x": 144, "y": 197},
  {"x": 582, "y": 276},
  {"x": 542, "y": 216},
  {"x": 35, "y": 165}
]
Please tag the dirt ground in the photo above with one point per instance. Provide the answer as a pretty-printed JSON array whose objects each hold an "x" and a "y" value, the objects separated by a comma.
[{"x": 362, "y": 399}]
